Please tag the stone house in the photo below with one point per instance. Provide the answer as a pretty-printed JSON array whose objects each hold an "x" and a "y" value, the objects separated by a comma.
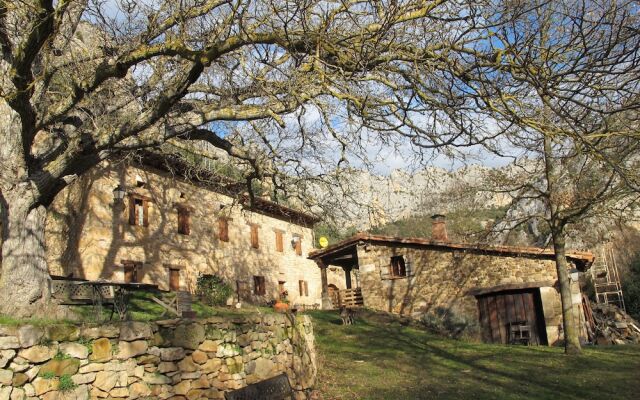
[
  {"x": 174, "y": 224},
  {"x": 486, "y": 288}
]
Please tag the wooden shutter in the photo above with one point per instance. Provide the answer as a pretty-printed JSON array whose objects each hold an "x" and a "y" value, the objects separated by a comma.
[
  {"x": 301, "y": 287},
  {"x": 145, "y": 216},
  {"x": 132, "y": 210},
  {"x": 184, "y": 225},
  {"x": 306, "y": 288},
  {"x": 299, "y": 246},
  {"x": 174, "y": 279},
  {"x": 223, "y": 230},
  {"x": 279, "y": 245},
  {"x": 254, "y": 236}
]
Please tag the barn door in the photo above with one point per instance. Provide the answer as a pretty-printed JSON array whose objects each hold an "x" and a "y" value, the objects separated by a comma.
[{"x": 498, "y": 310}]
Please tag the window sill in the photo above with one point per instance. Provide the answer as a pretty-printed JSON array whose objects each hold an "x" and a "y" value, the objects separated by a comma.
[{"x": 393, "y": 278}]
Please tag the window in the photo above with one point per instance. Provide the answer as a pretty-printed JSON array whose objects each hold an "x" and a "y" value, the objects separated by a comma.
[
  {"x": 304, "y": 288},
  {"x": 138, "y": 211},
  {"x": 184, "y": 221},
  {"x": 397, "y": 267},
  {"x": 254, "y": 236},
  {"x": 223, "y": 229},
  {"x": 131, "y": 271},
  {"x": 298, "y": 245},
  {"x": 282, "y": 290},
  {"x": 174, "y": 279},
  {"x": 259, "y": 286},
  {"x": 279, "y": 243}
]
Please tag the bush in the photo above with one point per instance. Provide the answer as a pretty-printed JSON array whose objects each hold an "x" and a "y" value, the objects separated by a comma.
[
  {"x": 631, "y": 289},
  {"x": 66, "y": 383},
  {"x": 447, "y": 323},
  {"x": 212, "y": 290}
]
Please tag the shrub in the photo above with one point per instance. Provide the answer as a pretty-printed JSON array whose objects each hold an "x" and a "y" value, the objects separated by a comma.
[
  {"x": 212, "y": 290},
  {"x": 66, "y": 383},
  {"x": 446, "y": 322}
]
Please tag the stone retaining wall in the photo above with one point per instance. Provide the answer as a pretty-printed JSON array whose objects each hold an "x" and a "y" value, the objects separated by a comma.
[{"x": 178, "y": 359}]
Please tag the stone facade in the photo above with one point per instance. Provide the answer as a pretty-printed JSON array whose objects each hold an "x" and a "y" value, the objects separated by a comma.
[
  {"x": 450, "y": 279},
  {"x": 179, "y": 359},
  {"x": 90, "y": 237}
]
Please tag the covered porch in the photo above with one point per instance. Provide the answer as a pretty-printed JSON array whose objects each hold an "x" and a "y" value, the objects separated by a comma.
[{"x": 344, "y": 262}]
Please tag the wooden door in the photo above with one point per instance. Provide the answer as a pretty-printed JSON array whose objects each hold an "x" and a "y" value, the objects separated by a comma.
[
  {"x": 174, "y": 279},
  {"x": 499, "y": 309}
]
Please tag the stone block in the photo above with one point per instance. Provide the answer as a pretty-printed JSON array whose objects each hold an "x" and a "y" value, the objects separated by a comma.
[
  {"x": 188, "y": 336},
  {"x": 42, "y": 386},
  {"x": 9, "y": 342},
  {"x": 6, "y": 356},
  {"x": 156, "y": 379},
  {"x": 139, "y": 389},
  {"x": 63, "y": 333},
  {"x": 172, "y": 354},
  {"x": 29, "y": 335},
  {"x": 106, "y": 380},
  {"x": 128, "y": 350},
  {"x": 75, "y": 350},
  {"x": 101, "y": 350},
  {"x": 199, "y": 357},
  {"x": 67, "y": 366},
  {"x": 101, "y": 331},
  {"x": 38, "y": 354},
  {"x": 132, "y": 330},
  {"x": 209, "y": 346}
]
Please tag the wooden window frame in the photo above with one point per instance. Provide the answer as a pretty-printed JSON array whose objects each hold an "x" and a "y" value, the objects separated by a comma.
[
  {"x": 397, "y": 267},
  {"x": 223, "y": 229},
  {"x": 279, "y": 241},
  {"x": 259, "y": 285},
  {"x": 134, "y": 267},
  {"x": 133, "y": 213}
]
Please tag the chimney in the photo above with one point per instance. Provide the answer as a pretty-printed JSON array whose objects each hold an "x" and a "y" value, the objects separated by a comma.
[{"x": 439, "y": 228}]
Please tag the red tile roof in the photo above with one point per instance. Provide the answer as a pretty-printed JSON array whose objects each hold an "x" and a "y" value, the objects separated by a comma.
[{"x": 582, "y": 258}]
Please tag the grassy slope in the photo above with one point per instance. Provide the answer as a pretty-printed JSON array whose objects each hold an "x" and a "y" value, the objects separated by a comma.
[{"x": 379, "y": 359}]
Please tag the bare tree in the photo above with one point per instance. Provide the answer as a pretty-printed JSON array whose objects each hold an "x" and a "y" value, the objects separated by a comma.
[
  {"x": 567, "y": 90},
  {"x": 82, "y": 80}
]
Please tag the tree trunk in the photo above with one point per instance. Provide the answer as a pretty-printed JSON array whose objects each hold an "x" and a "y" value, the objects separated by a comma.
[
  {"x": 25, "y": 281},
  {"x": 571, "y": 334}
]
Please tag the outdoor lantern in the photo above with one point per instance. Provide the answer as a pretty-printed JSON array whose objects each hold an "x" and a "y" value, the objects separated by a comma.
[{"x": 118, "y": 194}]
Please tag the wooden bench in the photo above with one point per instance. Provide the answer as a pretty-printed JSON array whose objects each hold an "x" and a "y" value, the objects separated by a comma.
[{"x": 276, "y": 388}]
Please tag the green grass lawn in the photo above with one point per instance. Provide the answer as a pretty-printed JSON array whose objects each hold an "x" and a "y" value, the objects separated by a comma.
[{"x": 378, "y": 358}]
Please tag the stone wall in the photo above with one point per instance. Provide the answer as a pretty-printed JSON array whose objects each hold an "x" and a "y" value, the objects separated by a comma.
[
  {"x": 89, "y": 237},
  {"x": 449, "y": 279},
  {"x": 178, "y": 359}
]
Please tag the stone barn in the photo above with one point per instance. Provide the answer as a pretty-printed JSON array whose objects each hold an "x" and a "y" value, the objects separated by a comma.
[{"x": 489, "y": 288}]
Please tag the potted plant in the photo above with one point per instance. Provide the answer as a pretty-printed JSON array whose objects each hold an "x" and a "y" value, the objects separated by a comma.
[{"x": 282, "y": 303}]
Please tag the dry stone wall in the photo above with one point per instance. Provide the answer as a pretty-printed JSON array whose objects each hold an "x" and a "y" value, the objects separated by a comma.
[{"x": 178, "y": 359}]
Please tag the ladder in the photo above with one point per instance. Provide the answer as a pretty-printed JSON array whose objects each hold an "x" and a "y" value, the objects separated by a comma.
[{"x": 606, "y": 279}]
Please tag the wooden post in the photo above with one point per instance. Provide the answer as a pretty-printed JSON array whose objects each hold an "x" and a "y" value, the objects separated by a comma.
[
  {"x": 347, "y": 276},
  {"x": 326, "y": 300}
]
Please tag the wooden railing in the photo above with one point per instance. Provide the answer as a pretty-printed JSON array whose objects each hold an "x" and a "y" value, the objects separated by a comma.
[{"x": 350, "y": 298}]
